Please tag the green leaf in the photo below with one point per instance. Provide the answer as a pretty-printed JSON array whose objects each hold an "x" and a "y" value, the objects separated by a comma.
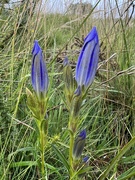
[
  {"x": 24, "y": 163},
  {"x": 53, "y": 169},
  {"x": 21, "y": 150},
  {"x": 128, "y": 174},
  {"x": 44, "y": 126},
  {"x": 61, "y": 156},
  {"x": 84, "y": 170},
  {"x": 128, "y": 160},
  {"x": 117, "y": 158}
]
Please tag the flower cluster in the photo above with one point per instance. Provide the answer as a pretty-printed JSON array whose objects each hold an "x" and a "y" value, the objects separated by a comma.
[{"x": 75, "y": 90}]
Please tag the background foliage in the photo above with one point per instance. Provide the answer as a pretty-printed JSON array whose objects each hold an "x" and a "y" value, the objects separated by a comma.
[{"x": 107, "y": 113}]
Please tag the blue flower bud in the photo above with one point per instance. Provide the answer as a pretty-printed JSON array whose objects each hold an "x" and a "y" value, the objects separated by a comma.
[
  {"x": 79, "y": 144},
  {"x": 82, "y": 134},
  {"x": 88, "y": 60},
  {"x": 85, "y": 159},
  {"x": 39, "y": 75}
]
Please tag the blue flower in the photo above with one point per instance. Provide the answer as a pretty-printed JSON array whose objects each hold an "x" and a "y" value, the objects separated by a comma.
[
  {"x": 88, "y": 60},
  {"x": 79, "y": 144},
  {"x": 39, "y": 75}
]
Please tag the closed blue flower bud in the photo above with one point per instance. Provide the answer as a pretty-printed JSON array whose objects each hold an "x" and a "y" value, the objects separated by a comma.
[
  {"x": 79, "y": 144},
  {"x": 85, "y": 159},
  {"x": 82, "y": 134},
  {"x": 39, "y": 75},
  {"x": 88, "y": 60}
]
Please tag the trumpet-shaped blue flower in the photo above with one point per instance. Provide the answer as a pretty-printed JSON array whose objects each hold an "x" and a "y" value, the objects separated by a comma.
[
  {"x": 88, "y": 60},
  {"x": 79, "y": 144},
  {"x": 39, "y": 73}
]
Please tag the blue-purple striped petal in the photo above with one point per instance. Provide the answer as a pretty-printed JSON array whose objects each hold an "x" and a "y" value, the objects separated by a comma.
[
  {"x": 88, "y": 60},
  {"x": 39, "y": 73},
  {"x": 36, "y": 48}
]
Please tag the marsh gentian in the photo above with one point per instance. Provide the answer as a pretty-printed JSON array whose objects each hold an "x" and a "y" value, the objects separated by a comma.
[
  {"x": 79, "y": 144},
  {"x": 88, "y": 60},
  {"x": 39, "y": 75}
]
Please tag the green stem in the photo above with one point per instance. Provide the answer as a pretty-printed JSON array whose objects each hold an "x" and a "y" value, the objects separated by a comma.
[
  {"x": 42, "y": 144},
  {"x": 70, "y": 154},
  {"x": 42, "y": 126},
  {"x": 117, "y": 157}
]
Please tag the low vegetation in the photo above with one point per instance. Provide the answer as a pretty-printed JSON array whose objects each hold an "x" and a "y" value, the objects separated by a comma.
[{"x": 108, "y": 112}]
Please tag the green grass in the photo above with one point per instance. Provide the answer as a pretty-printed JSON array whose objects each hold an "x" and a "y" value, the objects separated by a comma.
[{"x": 107, "y": 114}]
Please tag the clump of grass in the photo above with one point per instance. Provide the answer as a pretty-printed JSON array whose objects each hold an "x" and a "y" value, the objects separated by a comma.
[{"x": 110, "y": 118}]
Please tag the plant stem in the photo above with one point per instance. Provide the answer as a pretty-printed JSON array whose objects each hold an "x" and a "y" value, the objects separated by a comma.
[
  {"x": 42, "y": 144},
  {"x": 70, "y": 153}
]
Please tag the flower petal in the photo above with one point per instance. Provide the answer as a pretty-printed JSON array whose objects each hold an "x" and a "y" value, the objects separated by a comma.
[
  {"x": 88, "y": 60},
  {"x": 39, "y": 75},
  {"x": 36, "y": 48}
]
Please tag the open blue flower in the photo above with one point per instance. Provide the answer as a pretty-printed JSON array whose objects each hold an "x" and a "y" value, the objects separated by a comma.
[
  {"x": 88, "y": 60},
  {"x": 39, "y": 75},
  {"x": 79, "y": 144}
]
